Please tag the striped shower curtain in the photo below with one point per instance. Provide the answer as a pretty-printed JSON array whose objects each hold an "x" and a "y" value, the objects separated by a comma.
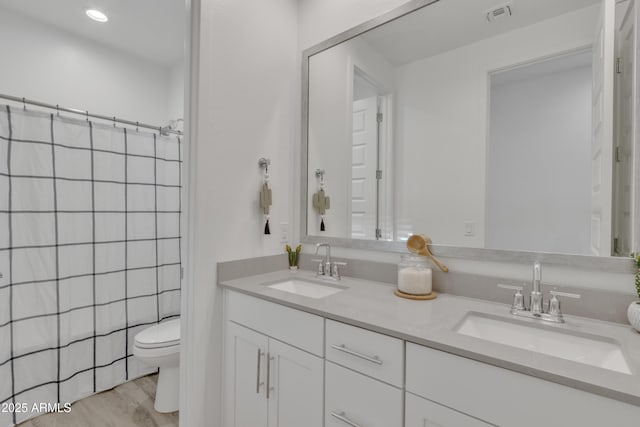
[{"x": 89, "y": 255}]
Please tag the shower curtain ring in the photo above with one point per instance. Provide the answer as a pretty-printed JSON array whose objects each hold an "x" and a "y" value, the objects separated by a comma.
[
  {"x": 137, "y": 125},
  {"x": 58, "y": 110},
  {"x": 114, "y": 121},
  {"x": 24, "y": 104},
  {"x": 86, "y": 113}
]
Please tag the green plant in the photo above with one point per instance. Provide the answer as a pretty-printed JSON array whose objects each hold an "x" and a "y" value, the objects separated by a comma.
[{"x": 293, "y": 255}]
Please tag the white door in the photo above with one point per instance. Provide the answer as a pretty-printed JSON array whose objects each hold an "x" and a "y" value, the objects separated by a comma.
[
  {"x": 296, "y": 389},
  {"x": 626, "y": 134},
  {"x": 602, "y": 130},
  {"x": 364, "y": 159},
  {"x": 245, "y": 376}
]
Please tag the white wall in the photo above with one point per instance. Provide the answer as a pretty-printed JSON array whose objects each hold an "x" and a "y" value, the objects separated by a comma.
[
  {"x": 249, "y": 92},
  {"x": 539, "y": 163},
  {"x": 442, "y": 124},
  {"x": 46, "y": 64},
  {"x": 176, "y": 92},
  {"x": 330, "y": 126},
  {"x": 320, "y": 19}
]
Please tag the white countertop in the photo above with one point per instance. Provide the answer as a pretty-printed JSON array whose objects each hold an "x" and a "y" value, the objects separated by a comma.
[{"x": 372, "y": 305}]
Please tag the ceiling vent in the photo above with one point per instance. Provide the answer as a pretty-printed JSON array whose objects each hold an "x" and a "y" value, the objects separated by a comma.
[{"x": 500, "y": 12}]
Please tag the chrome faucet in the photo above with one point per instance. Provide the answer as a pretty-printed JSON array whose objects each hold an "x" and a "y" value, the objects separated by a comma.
[
  {"x": 327, "y": 268},
  {"x": 536, "y": 311},
  {"x": 536, "y": 290}
]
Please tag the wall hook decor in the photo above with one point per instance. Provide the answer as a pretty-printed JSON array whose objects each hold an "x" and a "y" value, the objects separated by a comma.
[
  {"x": 265, "y": 192},
  {"x": 321, "y": 201}
]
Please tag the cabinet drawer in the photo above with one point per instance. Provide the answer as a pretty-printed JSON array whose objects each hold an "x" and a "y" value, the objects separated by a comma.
[
  {"x": 373, "y": 354},
  {"x": 421, "y": 412},
  {"x": 294, "y": 327},
  {"x": 353, "y": 398},
  {"x": 497, "y": 395}
]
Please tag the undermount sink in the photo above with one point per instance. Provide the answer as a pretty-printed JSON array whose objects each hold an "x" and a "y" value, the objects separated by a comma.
[
  {"x": 588, "y": 349},
  {"x": 306, "y": 289}
]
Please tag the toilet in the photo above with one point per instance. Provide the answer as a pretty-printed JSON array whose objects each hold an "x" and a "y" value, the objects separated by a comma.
[{"x": 159, "y": 346}]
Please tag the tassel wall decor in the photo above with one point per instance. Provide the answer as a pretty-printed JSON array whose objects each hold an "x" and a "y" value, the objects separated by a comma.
[
  {"x": 321, "y": 201},
  {"x": 265, "y": 193}
]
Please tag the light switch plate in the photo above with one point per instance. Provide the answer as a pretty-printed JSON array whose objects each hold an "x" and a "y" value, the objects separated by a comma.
[
  {"x": 284, "y": 232},
  {"x": 470, "y": 228}
]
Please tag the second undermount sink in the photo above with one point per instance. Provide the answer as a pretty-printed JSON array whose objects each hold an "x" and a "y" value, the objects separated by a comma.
[
  {"x": 589, "y": 349},
  {"x": 306, "y": 288}
]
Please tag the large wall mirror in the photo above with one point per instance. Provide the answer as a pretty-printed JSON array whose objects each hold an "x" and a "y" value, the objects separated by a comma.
[{"x": 505, "y": 125}]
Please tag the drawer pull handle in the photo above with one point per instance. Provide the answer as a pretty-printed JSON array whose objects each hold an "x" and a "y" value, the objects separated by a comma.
[
  {"x": 343, "y": 417},
  {"x": 344, "y": 349}
]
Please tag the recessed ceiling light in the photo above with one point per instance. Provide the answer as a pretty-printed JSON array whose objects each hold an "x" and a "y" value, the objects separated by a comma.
[{"x": 96, "y": 15}]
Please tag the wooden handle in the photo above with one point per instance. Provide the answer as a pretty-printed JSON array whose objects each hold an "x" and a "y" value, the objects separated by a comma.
[{"x": 440, "y": 265}]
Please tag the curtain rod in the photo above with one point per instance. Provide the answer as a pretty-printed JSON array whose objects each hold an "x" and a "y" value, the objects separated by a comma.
[{"x": 24, "y": 101}]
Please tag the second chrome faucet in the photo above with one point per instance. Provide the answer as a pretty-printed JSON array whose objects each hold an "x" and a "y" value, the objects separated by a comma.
[{"x": 536, "y": 310}]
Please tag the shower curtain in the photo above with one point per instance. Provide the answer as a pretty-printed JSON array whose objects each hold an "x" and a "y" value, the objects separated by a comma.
[{"x": 89, "y": 255}]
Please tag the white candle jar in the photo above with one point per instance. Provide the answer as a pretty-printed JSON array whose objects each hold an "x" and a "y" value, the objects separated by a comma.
[{"x": 414, "y": 275}]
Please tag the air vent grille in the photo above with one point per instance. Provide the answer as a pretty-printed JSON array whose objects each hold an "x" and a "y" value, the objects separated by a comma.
[{"x": 499, "y": 12}]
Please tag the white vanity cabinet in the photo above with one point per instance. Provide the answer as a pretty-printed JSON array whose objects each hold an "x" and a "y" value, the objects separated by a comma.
[
  {"x": 289, "y": 368},
  {"x": 506, "y": 398},
  {"x": 269, "y": 383}
]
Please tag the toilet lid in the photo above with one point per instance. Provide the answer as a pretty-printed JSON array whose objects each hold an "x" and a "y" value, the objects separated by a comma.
[{"x": 162, "y": 335}]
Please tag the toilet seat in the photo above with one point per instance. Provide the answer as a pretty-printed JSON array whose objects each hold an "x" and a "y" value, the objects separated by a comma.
[{"x": 166, "y": 334}]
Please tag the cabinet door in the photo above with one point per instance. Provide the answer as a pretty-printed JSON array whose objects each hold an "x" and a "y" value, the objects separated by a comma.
[
  {"x": 295, "y": 381},
  {"x": 245, "y": 373},
  {"x": 425, "y": 413},
  {"x": 353, "y": 399}
]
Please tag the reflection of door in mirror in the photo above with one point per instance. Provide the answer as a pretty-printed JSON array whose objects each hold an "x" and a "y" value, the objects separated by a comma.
[
  {"x": 367, "y": 156},
  {"x": 363, "y": 168},
  {"x": 341, "y": 79},
  {"x": 602, "y": 131},
  {"x": 626, "y": 227}
]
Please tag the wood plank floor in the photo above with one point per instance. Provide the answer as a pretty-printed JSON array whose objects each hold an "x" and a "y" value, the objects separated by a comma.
[{"x": 128, "y": 405}]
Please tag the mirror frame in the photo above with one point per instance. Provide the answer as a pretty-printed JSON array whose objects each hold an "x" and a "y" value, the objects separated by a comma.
[{"x": 603, "y": 263}]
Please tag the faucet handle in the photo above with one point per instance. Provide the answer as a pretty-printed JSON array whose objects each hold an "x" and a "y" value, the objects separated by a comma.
[
  {"x": 320, "y": 262},
  {"x": 512, "y": 287},
  {"x": 554, "y": 304},
  {"x": 335, "y": 270},
  {"x": 564, "y": 294},
  {"x": 518, "y": 298}
]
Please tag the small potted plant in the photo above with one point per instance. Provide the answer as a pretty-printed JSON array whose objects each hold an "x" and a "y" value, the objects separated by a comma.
[
  {"x": 633, "y": 313},
  {"x": 293, "y": 257}
]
